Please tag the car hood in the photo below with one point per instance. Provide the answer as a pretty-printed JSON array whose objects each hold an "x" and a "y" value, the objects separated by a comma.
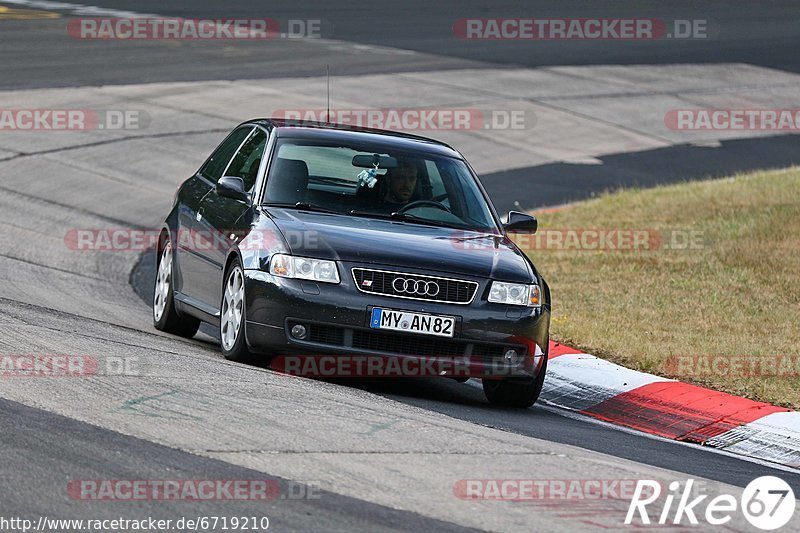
[{"x": 401, "y": 244}]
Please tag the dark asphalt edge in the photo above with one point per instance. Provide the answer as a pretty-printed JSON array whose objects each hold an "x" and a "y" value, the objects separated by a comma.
[{"x": 64, "y": 431}]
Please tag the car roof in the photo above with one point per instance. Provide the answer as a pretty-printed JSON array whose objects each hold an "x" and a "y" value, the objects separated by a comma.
[{"x": 347, "y": 132}]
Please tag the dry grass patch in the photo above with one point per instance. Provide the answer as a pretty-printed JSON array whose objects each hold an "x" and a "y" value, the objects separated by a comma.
[{"x": 733, "y": 299}]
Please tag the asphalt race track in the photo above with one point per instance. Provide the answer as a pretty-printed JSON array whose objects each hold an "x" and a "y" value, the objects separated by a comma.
[{"x": 382, "y": 455}]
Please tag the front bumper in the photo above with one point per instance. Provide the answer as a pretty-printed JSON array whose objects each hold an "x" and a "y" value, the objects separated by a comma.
[{"x": 336, "y": 318}]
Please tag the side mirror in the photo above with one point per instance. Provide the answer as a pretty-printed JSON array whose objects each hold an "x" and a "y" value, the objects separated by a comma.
[
  {"x": 521, "y": 222},
  {"x": 232, "y": 187}
]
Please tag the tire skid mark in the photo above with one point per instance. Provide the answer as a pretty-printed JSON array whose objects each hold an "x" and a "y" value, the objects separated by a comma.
[
  {"x": 71, "y": 209},
  {"x": 160, "y": 406},
  {"x": 106, "y": 142},
  {"x": 67, "y": 315},
  {"x": 51, "y": 267}
]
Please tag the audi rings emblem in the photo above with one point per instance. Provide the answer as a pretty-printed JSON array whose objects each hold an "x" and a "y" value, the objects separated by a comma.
[{"x": 416, "y": 287}]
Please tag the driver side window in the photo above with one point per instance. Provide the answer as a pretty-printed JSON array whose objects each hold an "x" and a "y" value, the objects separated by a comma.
[
  {"x": 246, "y": 162},
  {"x": 218, "y": 161}
]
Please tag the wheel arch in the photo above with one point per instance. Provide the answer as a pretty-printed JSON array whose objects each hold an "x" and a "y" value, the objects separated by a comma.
[
  {"x": 163, "y": 235},
  {"x": 233, "y": 255}
]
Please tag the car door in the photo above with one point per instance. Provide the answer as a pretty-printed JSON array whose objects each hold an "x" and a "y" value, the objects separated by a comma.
[
  {"x": 188, "y": 242},
  {"x": 224, "y": 220}
]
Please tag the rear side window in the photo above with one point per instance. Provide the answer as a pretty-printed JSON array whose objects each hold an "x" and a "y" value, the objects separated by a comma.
[{"x": 219, "y": 160}]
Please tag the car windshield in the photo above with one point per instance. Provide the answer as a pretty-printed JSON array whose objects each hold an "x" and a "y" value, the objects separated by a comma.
[{"x": 377, "y": 181}]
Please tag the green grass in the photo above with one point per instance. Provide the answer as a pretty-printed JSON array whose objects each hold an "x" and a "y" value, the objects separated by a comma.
[{"x": 736, "y": 294}]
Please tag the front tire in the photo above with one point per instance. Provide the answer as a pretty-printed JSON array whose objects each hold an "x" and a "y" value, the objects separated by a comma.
[
  {"x": 165, "y": 316},
  {"x": 232, "y": 316},
  {"x": 515, "y": 392}
]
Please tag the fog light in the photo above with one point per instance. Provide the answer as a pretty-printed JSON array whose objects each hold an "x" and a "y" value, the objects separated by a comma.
[
  {"x": 299, "y": 331},
  {"x": 510, "y": 356}
]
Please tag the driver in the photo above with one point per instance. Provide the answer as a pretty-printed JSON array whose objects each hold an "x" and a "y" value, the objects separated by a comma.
[{"x": 402, "y": 183}]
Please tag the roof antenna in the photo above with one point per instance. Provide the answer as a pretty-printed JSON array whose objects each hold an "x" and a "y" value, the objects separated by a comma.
[{"x": 328, "y": 78}]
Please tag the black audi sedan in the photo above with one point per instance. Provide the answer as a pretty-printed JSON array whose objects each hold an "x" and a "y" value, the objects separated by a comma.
[{"x": 317, "y": 239}]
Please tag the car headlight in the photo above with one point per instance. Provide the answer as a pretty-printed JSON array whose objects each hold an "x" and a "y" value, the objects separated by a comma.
[
  {"x": 289, "y": 266},
  {"x": 515, "y": 294}
]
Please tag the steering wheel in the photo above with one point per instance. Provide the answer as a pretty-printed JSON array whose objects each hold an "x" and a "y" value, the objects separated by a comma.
[{"x": 420, "y": 203}]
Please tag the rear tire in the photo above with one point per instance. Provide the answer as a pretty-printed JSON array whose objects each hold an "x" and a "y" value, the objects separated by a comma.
[
  {"x": 232, "y": 316},
  {"x": 515, "y": 392},
  {"x": 165, "y": 316}
]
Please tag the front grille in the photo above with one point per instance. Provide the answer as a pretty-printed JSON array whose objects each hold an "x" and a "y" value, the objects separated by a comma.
[
  {"x": 407, "y": 344},
  {"x": 414, "y": 286}
]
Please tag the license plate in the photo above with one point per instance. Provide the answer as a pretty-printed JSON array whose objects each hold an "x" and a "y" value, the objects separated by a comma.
[{"x": 442, "y": 326}]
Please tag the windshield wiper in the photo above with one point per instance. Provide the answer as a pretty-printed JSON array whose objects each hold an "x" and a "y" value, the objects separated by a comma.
[
  {"x": 305, "y": 206},
  {"x": 405, "y": 217}
]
